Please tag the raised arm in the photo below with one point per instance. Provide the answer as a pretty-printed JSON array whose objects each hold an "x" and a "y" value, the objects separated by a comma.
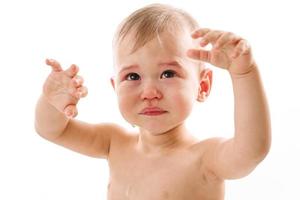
[
  {"x": 238, "y": 156},
  {"x": 56, "y": 109}
]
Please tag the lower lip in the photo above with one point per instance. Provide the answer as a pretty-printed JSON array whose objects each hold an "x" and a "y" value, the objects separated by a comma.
[{"x": 154, "y": 113}]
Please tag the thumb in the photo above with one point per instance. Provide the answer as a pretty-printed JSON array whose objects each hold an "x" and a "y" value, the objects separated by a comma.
[
  {"x": 71, "y": 111},
  {"x": 199, "y": 54}
]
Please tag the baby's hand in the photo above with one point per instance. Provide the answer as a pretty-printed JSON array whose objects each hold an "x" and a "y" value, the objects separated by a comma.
[
  {"x": 63, "y": 88},
  {"x": 228, "y": 51}
]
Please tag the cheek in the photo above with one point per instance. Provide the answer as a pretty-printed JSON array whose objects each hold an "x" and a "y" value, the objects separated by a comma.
[
  {"x": 183, "y": 100},
  {"x": 126, "y": 98},
  {"x": 182, "y": 97},
  {"x": 124, "y": 104}
]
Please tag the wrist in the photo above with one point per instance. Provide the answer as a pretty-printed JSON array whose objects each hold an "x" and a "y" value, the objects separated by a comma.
[
  {"x": 47, "y": 102},
  {"x": 252, "y": 68}
]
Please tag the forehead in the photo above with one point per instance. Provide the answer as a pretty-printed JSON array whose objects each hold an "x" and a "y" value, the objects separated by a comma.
[{"x": 164, "y": 46}]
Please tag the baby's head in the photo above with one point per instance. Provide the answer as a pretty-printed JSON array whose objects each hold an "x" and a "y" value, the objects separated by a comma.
[
  {"x": 150, "y": 21},
  {"x": 156, "y": 83}
]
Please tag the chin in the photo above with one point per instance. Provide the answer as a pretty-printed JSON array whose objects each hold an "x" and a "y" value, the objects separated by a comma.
[{"x": 156, "y": 125}]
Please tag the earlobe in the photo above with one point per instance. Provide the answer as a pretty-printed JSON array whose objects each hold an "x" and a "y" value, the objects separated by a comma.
[{"x": 202, "y": 96}]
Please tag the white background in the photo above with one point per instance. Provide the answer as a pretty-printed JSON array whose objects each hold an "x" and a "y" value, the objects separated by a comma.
[{"x": 81, "y": 32}]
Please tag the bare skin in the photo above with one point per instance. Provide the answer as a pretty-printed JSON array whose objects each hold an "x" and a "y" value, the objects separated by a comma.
[
  {"x": 163, "y": 160},
  {"x": 178, "y": 174}
]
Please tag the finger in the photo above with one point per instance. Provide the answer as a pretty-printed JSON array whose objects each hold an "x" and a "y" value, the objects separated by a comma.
[
  {"x": 82, "y": 91},
  {"x": 226, "y": 38},
  {"x": 70, "y": 111},
  {"x": 54, "y": 65},
  {"x": 77, "y": 93},
  {"x": 199, "y": 54},
  {"x": 77, "y": 81},
  {"x": 72, "y": 91},
  {"x": 210, "y": 37},
  {"x": 241, "y": 48},
  {"x": 200, "y": 33},
  {"x": 72, "y": 70}
]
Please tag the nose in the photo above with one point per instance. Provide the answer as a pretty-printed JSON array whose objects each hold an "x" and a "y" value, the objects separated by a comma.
[{"x": 150, "y": 91}]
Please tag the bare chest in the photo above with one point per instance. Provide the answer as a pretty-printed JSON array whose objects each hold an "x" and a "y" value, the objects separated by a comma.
[{"x": 175, "y": 176}]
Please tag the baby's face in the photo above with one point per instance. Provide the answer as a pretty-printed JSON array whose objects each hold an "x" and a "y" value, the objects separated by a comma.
[{"x": 156, "y": 85}]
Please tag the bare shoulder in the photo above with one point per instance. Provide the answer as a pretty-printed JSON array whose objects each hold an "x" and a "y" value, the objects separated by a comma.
[
  {"x": 203, "y": 150},
  {"x": 213, "y": 142},
  {"x": 224, "y": 159},
  {"x": 206, "y": 150},
  {"x": 122, "y": 141},
  {"x": 210, "y": 146},
  {"x": 207, "y": 145}
]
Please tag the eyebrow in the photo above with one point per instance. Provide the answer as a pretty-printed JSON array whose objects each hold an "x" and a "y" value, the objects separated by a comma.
[
  {"x": 171, "y": 63},
  {"x": 129, "y": 67}
]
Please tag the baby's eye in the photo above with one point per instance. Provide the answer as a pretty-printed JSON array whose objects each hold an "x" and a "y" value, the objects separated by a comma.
[
  {"x": 168, "y": 74},
  {"x": 132, "y": 77}
]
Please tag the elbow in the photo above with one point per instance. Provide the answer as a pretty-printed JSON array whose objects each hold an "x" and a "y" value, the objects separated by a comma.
[
  {"x": 46, "y": 134},
  {"x": 255, "y": 151},
  {"x": 265, "y": 145},
  {"x": 37, "y": 129},
  {"x": 266, "y": 141},
  {"x": 249, "y": 161},
  {"x": 41, "y": 133},
  {"x": 262, "y": 149}
]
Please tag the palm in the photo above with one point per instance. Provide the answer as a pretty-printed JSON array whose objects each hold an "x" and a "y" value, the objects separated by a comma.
[
  {"x": 56, "y": 89},
  {"x": 63, "y": 88},
  {"x": 228, "y": 51},
  {"x": 222, "y": 58}
]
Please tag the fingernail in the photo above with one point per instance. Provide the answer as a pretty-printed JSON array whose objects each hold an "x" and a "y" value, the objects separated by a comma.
[
  {"x": 76, "y": 82},
  {"x": 48, "y": 60},
  {"x": 203, "y": 42},
  {"x": 74, "y": 67}
]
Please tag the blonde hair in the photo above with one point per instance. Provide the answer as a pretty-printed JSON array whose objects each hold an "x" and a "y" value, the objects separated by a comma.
[{"x": 150, "y": 21}]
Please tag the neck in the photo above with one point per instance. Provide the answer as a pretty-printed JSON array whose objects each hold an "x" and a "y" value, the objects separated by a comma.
[{"x": 156, "y": 144}]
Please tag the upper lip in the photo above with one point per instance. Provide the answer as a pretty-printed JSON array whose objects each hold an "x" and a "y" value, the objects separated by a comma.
[{"x": 151, "y": 109}]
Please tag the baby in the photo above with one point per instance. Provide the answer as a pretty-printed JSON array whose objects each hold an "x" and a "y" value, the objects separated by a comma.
[{"x": 159, "y": 56}]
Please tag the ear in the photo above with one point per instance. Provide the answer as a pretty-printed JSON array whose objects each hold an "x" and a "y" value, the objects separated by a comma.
[
  {"x": 112, "y": 81},
  {"x": 204, "y": 85}
]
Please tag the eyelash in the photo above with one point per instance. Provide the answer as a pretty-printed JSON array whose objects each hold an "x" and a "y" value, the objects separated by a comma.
[{"x": 130, "y": 74}]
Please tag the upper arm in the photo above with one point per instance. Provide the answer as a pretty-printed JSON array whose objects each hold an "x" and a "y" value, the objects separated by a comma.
[
  {"x": 227, "y": 160},
  {"x": 89, "y": 139}
]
